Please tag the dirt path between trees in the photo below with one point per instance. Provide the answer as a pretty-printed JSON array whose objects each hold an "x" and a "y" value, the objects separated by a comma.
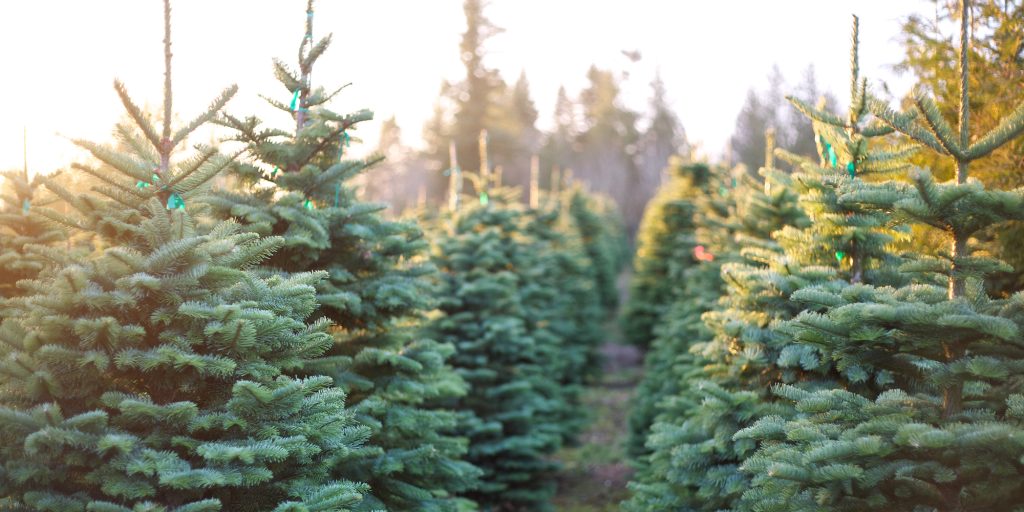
[{"x": 595, "y": 473}]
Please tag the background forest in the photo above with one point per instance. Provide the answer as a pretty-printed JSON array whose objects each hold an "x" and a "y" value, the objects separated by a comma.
[{"x": 267, "y": 308}]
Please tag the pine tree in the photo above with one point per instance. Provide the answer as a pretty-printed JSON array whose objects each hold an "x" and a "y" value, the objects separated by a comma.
[
  {"x": 690, "y": 293},
  {"x": 997, "y": 52},
  {"x": 608, "y": 144},
  {"x": 482, "y": 100},
  {"x": 560, "y": 295},
  {"x": 558, "y": 151},
  {"x": 515, "y": 407},
  {"x": 663, "y": 138},
  {"x": 21, "y": 229},
  {"x": 697, "y": 450},
  {"x": 663, "y": 251},
  {"x": 152, "y": 373},
  {"x": 945, "y": 437},
  {"x": 297, "y": 186},
  {"x": 603, "y": 239}
]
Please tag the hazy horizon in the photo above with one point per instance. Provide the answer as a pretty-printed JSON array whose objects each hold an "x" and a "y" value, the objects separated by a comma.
[{"x": 68, "y": 54}]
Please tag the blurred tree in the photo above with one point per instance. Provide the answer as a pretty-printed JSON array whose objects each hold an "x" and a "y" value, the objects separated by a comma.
[
  {"x": 761, "y": 111},
  {"x": 481, "y": 100},
  {"x": 768, "y": 109},
  {"x": 608, "y": 144},
  {"x": 997, "y": 55},
  {"x": 559, "y": 148},
  {"x": 663, "y": 138},
  {"x": 23, "y": 232}
]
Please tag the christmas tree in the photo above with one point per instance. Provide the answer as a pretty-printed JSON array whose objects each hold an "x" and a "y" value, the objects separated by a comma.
[
  {"x": 21, "y": 228},
  {"x": 745, "y": 216},
  {"x": 943, "y": 438},
  {"x": 298, "y": 186},
  {"x": 490, "y": 310},
  {"x": 603, "y": 236},
  {"x": 680, "y": 324},
  {"x": 663, "y": 252},
  {"x": 562, "y": 303},
  {"x": 152, "y": 373},
  {"x": 696, "y": 458}
]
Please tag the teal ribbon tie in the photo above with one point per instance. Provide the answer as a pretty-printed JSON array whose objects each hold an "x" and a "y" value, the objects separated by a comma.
[
  {"x": 309, "y": 204},
  {"x": 26, "y": 205},
  {"x": 295, "y": 100},
  {"x": 484, "y": 200},
  {"x": 852, "y": 169},
  {"x": 175, "y": 201}
]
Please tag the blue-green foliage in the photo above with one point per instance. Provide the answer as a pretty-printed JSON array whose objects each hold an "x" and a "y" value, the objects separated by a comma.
[
  {"x": 785, "y": 270},
  {"x": 298, "y": 185},
  {"x": 515, "y": 407},
  {"x": 663, "y": 251},
  {"x": 22, "y": 230},
  {"x": 945, "y": 435},
  {"x": 153, "y": 372}
]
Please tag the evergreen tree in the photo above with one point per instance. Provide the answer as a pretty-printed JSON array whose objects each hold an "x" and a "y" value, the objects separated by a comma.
[
  {"x": 298, "y": 186},
  {"x": 482, "y": 100},
  {"x": 997, "y": 52},
  {"x": 608, "y": 145},
  {"x": 515, "y": 407},
  {"x": 558, "y": 150},
  {"x": 562, "y": 292},
  {"x": 603, "y": 240},
  {"x": 766, "y": 110},
  {"x": 760, "y": 112},
  {"x": 21, "y": 230},
  {"x": 516, "y": 138},
  {"x": 697, "y": 451},
  {"x": 945, "y": 437},
  {"x": 663, "y": 251},
  {"x": 152, "y": 373},
  {"x": 679, "y": 322},
  {"x": 662, "y": 138}
]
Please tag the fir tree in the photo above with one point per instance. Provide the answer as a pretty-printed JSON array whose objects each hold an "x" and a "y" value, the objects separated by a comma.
[
  {"x": 21, "y": 229},
  {"x": 996, "y": 52},
  {"x": 152, "y": 373},
  {"x": 679, "y": 324},
  {"x": 945, "y": 438},
  {"x": 560, "y": 296},
  {"x": 558, "y": 150},
  {"x": 490, "y": 309},
  {"x": 297, "y": 186},
  {"x": 608, "y": 145},
  {"x": 663, "y": 251},
  {"x": 603, "y": 239},
  {"x": 696, "y": 447}
]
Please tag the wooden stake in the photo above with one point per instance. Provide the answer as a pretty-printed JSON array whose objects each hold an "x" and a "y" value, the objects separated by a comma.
[
  {"x": 534, "y": 182},
  {"x": 454, "y": 178},
  {"x": 485, "y": 164}
]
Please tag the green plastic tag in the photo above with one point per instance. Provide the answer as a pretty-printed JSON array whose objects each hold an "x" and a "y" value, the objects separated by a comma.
[{"x": 175, "y": 202}]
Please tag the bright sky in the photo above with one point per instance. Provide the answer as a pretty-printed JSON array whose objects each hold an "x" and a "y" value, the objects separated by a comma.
[{"x": 60, "y": 57}]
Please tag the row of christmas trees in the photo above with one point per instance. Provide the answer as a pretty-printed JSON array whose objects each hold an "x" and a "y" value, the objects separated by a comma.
[
  {"x": 807, "y": 352},
  {"x": 273, "y": 343}
]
